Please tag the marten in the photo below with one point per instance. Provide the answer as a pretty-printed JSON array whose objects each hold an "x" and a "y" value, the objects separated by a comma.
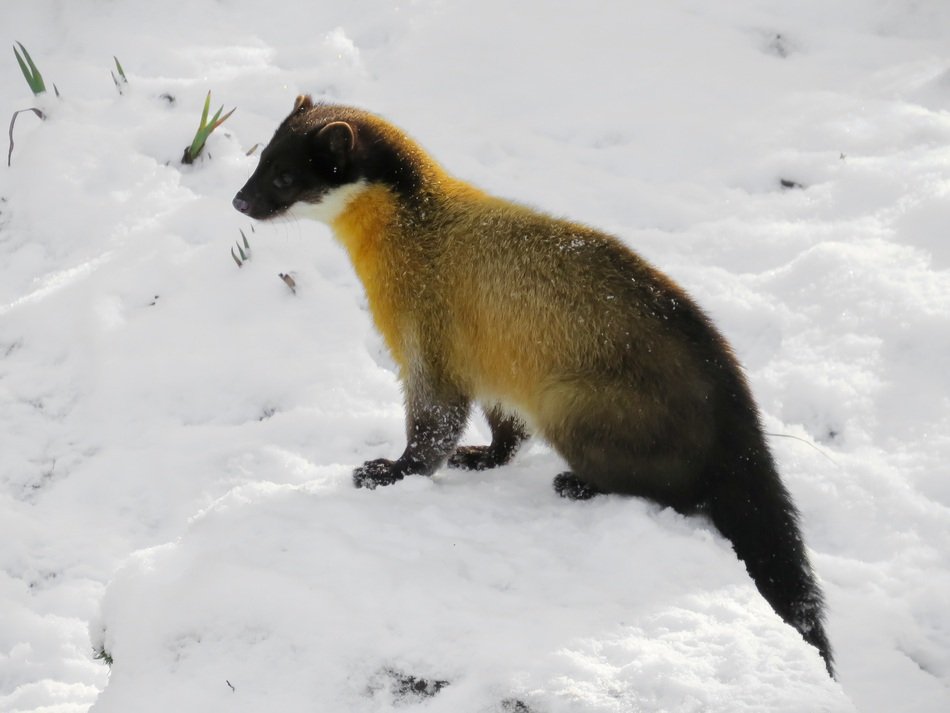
[{"x": 553, "y": 328}]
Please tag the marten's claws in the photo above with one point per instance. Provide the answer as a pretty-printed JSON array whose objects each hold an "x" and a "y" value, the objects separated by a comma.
[{"x": 376, "y": 472}]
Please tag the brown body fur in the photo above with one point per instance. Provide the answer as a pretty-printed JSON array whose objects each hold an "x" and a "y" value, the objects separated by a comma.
[{"x": 552, "y": 320}]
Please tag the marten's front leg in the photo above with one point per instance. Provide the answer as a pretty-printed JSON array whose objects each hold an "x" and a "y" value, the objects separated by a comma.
[{"x": 436, "y": 414}]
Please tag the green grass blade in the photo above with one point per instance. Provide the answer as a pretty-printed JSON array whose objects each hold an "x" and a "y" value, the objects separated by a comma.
[
  {"x": 32, "y": 75},
  {"x": 204, "y": 112},
  {"x": 118, "y": 66},
  {"x": 27, "y": 55},
  {"x": 37, "y": 77},
  {"x": 36, "y": 111},
  {"x": 26, "y": 72},
  {"x": 197, "y": 143},
  {"x": 215, "y": 124}
]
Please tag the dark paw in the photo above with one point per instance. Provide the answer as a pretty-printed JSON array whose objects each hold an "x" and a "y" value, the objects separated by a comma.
[
  {"x": 568, "y": 485},
  {"x": 374, "y": 473},
  {"x": 474, "y": 458}
]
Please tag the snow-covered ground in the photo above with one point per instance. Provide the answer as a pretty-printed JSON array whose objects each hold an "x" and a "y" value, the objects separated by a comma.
[{"x": 177, "y": 434}]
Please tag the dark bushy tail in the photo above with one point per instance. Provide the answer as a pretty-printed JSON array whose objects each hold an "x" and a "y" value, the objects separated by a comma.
[{"x": 750, "y": 506}]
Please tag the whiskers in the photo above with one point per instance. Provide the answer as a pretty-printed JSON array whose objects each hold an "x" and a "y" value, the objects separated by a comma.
[{"x": 287, "y": 225}]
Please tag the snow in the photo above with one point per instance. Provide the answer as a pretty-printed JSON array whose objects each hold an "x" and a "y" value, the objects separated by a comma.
[{"x": 177, "y": 434}]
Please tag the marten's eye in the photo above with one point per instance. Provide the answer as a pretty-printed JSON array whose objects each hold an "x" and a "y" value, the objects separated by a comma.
[{"x": 283, "y": 180}]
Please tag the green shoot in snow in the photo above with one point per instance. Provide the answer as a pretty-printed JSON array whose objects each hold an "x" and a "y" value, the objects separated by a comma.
[
  {"x": 30, "y": 72},
  {"x": 204, "y": 130},
  {"x": 120, "y": 80}
]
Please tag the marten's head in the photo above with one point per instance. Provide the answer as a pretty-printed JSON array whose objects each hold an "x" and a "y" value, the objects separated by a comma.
[{"x": 321, "y": 156}]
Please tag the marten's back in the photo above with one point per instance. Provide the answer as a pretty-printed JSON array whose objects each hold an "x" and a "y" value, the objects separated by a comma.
[{"x": 530, "y": 299}]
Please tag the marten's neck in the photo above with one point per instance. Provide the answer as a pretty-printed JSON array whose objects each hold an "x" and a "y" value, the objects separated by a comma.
[
  {"x": 365, "y": 227},
  {"x": 364, "y": 216}
]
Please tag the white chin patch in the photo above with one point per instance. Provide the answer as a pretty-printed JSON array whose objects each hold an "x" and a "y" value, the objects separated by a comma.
[{"x": 331, "y": 205}]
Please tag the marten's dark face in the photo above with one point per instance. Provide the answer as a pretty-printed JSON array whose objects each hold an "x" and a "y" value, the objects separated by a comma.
[{"x": 301, "y": 165}]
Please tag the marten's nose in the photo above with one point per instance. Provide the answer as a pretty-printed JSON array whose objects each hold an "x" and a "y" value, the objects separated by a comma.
[{"x": 241, "y": 205}]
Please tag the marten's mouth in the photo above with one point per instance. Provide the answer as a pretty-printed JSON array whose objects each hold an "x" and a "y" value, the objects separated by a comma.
[{"x": 246, "y": 207}]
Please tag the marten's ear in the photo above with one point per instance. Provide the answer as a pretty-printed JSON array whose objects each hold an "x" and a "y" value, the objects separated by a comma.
[
  {"x": 339, "y": 139},
  {"x": 302, "y": 103}
]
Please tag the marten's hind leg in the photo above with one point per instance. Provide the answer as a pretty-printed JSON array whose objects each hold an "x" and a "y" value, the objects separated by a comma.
[
  {"x": 664, "y": 478},
  {"x": 611, "y": 453},
  {"x": 507, "y": 434}
]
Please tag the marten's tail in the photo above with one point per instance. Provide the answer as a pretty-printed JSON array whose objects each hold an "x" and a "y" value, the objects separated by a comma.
[{"x": 751, "y": 507}]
